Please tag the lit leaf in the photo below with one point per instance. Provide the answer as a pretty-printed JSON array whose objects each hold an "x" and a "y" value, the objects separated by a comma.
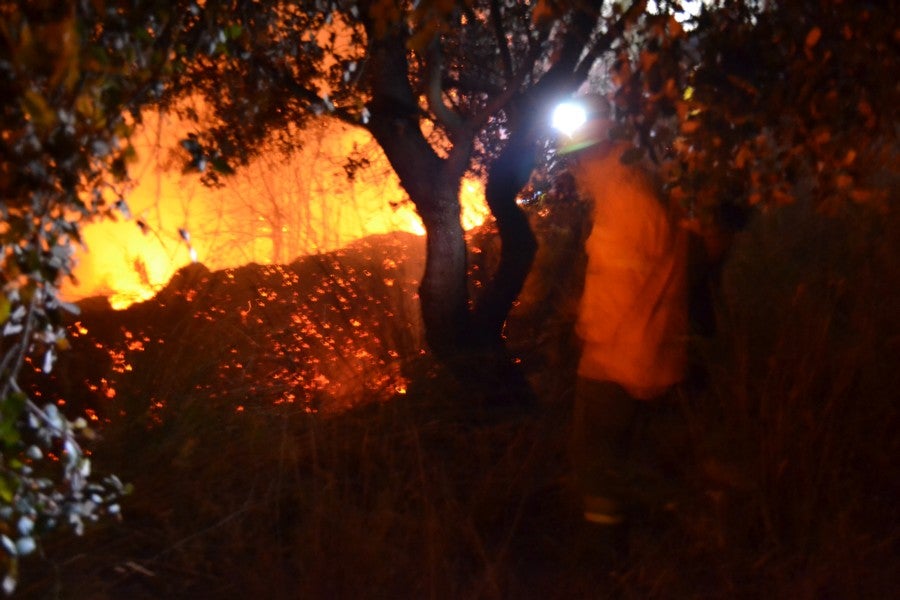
[
  {"x": 689, "y": 127},
  {"x": 813, "y": 37},
  {"x": 843, "y": 181},
  {"x": 7, "y": 491},
  {"x": 25, "y": 546},
  {"x": 543, "y": 13},
  {"x": 49, "y": 359},
  {"x": 38, "y": 110},
  {"x": 8, "y": 545},
  {"x": 25, "y": 525},
  {"x": 743, "y": 157},
  {"x": 9, "y": 584}
]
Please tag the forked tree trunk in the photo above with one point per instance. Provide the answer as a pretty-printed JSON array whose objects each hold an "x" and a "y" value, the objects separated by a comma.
[
  {"x": 472, "y": 347},
  {"x": 433, "y": 185}
]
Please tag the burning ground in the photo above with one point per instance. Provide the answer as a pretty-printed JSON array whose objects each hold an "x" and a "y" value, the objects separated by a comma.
[{"x": 316, "y": 333}]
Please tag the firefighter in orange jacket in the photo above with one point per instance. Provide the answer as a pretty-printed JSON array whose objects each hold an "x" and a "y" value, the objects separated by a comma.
[{"x": 633, "y": 318}]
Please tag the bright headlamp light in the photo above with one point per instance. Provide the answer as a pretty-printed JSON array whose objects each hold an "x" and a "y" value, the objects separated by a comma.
[{"x": 568, "y": 117}]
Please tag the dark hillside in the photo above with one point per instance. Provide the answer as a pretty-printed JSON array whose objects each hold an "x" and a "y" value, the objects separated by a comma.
[{"x": 319, "y": 333}]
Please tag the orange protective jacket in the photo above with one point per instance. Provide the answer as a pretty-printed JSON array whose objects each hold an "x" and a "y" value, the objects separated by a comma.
[{"x": 633, "y": 313}]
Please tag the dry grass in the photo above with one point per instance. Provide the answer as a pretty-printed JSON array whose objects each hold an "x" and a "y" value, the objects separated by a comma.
[
  {"x": 402, "y": 499},
  {"x": 782, "y": 470}
]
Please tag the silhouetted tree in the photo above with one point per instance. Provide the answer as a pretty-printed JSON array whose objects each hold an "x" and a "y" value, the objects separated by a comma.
[{"x": 443, "y": 87}]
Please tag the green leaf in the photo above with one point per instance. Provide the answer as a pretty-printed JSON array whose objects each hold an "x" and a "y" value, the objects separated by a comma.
[
  {"x": 7, "y": 489},
  {"x": 234, "y": 31},
  {"x": 10, "y": 410},
  {"x": 38, "y": 110}
]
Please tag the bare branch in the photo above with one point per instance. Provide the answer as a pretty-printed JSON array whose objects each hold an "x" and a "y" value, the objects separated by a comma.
[
  {"x": 502, "y": 99},
  {"x": 435, "y": 93},
  {"x": 15, "y": 357},
  {"x": 499, "y": 33}
]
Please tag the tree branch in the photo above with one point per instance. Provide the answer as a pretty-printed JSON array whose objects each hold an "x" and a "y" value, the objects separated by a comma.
[
  {"x": 500, "y": 35},
  {"x": 395, "y": 117},
  {"x": 435, "y": 92}
]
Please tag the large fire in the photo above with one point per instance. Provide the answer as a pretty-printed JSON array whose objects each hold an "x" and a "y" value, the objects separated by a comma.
[{"x": 271, "y": 212}]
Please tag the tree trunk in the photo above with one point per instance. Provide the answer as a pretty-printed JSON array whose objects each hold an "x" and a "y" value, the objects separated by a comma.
[
  {"x": 443, "y": 292},
  {"x": 507, "y": 175},
  {"x": 472, "y": 349},
  {"x": 433, "y": 185}
]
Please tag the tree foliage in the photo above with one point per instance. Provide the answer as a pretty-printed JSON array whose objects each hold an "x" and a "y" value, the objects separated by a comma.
[
  {"x": 72, "y": 78},
  {"x": 762, "y": 106}
]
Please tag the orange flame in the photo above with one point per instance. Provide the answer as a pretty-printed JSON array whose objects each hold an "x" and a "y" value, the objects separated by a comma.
[{"x": 276, "y": 209}]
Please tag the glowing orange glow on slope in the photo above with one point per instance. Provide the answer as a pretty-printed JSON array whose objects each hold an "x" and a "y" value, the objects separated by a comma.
[{"x": 271, "y": 212}]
